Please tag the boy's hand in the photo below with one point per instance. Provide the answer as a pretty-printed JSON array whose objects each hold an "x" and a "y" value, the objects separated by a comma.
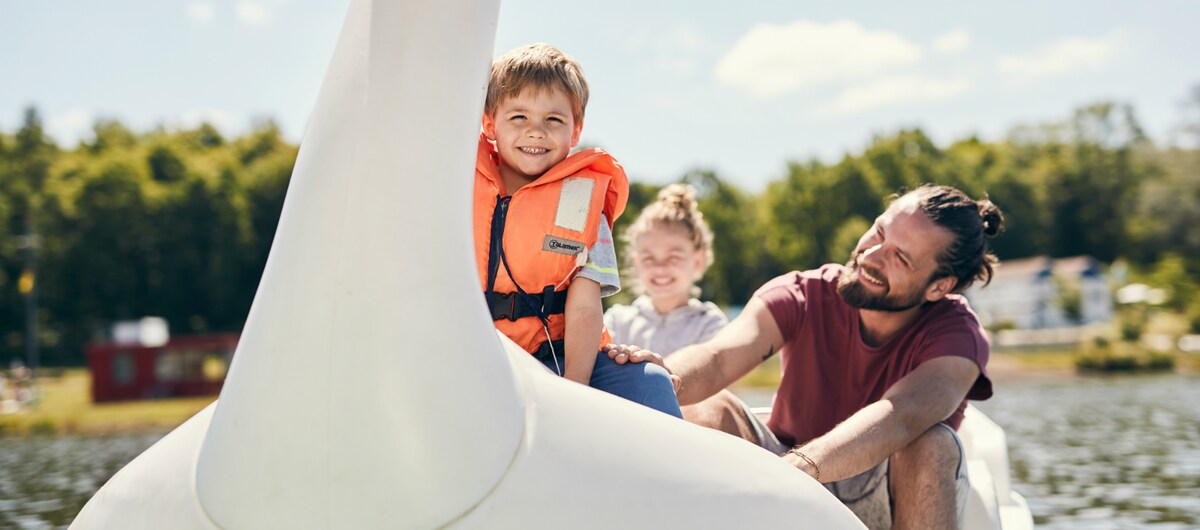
[{"x": 624, "y": 353}]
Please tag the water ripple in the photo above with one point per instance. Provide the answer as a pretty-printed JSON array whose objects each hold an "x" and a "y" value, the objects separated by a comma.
[
  {"x": 45, "y": 481},
  {"x": 1104, "y": 453}
]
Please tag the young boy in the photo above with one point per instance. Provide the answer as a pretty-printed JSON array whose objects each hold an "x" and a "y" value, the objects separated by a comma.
[{"x": 543, "y": 225}]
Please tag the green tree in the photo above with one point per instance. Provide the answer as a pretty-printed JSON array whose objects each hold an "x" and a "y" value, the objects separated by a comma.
[
  {"x": 111, "y": 242},
  {"x": 1168, "y": 210},
  {"x": 165, "y": 165},
  {"x": 999, "y": 176},
  {"x": 793, "y": 210},
  {"x": 1069, "y": 298},
  {"x": 180, "y": 224},
  {"x": 112, "y": 135},
  {"x": 846, "y": 238},
  {"x": 24, "y": 184},
  {"x": 739, "y": 264},
  {"x": 1174, "y": 274},
  {"x": 1092, "y": 182},
  {"x": 265, "y": 187}
]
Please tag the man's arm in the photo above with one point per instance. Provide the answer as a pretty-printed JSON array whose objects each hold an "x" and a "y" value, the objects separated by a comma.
[
  {"x": 584, "y": 319},
  {"x": 709, "y": 367},
  {"x": 921, "y": 399}
]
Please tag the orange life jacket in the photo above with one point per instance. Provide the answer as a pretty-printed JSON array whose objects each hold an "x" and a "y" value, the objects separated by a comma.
[{"x": 544, "y": 227}]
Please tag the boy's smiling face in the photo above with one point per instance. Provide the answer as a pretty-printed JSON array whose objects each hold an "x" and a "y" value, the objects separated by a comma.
[{"x": 533, "y": 131}]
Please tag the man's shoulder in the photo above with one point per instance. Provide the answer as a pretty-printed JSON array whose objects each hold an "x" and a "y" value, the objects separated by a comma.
[
  {"x": 955, "y": 308},
  {"x": 828, "y": 273},
  {"x": 824, "y": 277},
  {"x": 791, "y": 296},
  {"x": 950, "y": 319},
  {"x": 951, "y": 328}
]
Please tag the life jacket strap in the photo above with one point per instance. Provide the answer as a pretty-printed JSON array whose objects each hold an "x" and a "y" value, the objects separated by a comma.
[
  {"x": 519, "y": 305},
  {"x": 544, "y": 352}
]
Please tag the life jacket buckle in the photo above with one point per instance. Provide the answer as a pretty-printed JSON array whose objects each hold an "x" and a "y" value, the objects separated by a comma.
[{"x": 504, "y": 306}]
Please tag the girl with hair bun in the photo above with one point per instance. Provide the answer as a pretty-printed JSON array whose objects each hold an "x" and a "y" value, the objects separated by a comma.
[{"x": 668, "y": 248}]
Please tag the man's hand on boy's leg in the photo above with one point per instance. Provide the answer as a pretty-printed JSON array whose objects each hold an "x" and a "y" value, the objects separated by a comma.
[{"x": 623, "y": 353}]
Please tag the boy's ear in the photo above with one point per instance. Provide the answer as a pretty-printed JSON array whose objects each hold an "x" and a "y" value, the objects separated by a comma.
[
  {"x": 489, "y": 127},
  {"x": 575, "y": 134}
]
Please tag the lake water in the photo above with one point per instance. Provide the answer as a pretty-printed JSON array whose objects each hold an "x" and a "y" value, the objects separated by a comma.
[
  {"x": 44, "y": 481},
  {"x": 1104, "y": 453},
  {"x": 1088, "y": 453}
]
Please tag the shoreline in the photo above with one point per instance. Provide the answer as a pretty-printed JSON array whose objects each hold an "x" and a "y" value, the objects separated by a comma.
[
  {"x": 1022, "y": 366},
  {"x": 65, "y": 407}
]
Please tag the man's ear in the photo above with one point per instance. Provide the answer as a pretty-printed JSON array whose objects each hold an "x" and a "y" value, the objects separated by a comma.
[
  {"x": 489, "y": 127},
  {"x": 939, "y": 288},
  {"x": 575, "y": 134}
]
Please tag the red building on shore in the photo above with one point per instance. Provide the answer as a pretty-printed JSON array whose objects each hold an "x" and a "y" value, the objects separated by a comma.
[{"x": 190, "y": 365}]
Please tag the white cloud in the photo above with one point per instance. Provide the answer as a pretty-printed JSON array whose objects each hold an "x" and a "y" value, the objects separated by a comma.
[
  {"x": 200, "y": 11},
  {"x": 687, "y": 38},
  {"x": 680, "y": 50},
  {"x": 953, "y": 41},
  {"x": 1069, "y": 55},
  {"x": 252, "y": 12},
  {"x": 71, "y": 127},
  {"x": 891, "y": 91},
  {"x": 771, "y": 59},
  {"x": 258, "y": 12}
]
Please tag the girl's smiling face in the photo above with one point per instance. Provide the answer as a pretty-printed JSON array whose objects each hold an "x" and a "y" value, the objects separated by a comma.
[{"x": 667, "y": 265}]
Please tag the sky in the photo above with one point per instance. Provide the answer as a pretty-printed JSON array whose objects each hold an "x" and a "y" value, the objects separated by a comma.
[{"x": 740, "y": 88}]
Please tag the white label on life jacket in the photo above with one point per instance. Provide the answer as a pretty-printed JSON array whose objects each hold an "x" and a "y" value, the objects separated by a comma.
[
  {"x": 574, "y": 202},
  {"x": 562, "y": 245}
]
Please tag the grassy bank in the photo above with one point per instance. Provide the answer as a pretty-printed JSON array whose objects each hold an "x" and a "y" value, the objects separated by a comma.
[
  {"x": 1003, "y": 365},
  {"x": 1088, "y": 361},
  {"x": 65, "y": 407}
]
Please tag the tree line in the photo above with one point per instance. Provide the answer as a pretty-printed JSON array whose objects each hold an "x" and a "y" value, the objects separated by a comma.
[{"x": 178, "y": 223}]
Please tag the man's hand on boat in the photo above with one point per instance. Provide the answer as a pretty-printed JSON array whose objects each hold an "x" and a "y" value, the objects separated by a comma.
[{"x": 625, "y": 353}]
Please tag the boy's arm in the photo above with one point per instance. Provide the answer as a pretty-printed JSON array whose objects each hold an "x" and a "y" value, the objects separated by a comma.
[{"x": 584, "y": 317}]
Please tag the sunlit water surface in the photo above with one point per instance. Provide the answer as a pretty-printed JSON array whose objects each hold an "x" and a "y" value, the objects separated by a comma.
[{"x": 1101, "y": 453}]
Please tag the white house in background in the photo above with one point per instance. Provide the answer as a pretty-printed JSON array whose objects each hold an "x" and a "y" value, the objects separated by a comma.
[{"x": 1025, "y": 294}]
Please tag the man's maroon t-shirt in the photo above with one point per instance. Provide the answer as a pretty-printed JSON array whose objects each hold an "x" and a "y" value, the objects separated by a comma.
[{"x": 829, "y": 373}]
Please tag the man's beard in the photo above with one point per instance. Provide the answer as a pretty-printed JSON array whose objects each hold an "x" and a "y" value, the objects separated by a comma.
[{"x": 855, "y": 294}]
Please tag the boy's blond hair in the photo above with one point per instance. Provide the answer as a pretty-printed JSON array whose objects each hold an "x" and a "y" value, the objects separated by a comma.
[{"x": 539, "y": 66}]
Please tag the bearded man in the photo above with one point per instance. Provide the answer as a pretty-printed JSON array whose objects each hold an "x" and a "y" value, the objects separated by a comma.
[{"x": 878, "y": 356}]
